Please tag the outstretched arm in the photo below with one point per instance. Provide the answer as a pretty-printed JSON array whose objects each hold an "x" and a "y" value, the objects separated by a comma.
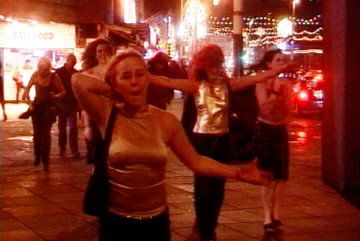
[
  {"x": 185, "y": 85},
  {"x": 28, "y": 87},
  {"x": 243, "y": 82},
  {"x": 202, "y": 165}
]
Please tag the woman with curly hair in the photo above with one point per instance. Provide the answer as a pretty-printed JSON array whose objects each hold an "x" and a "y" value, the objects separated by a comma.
[{"x": 96, "y": 57}]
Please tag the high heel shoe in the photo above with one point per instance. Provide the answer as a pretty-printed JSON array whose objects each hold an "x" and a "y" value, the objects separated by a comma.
[
  {"x": 277, "y": 224},
  {"x": 269, "y": 228}
]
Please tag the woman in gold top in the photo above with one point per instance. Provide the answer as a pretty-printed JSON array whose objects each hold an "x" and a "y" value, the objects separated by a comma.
[
  {"x": 138, "y": 150},
  {"x": 210, "y": 132}
]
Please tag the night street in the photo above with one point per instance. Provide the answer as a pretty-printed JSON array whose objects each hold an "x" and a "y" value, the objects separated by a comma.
[{"x": 38, "y": 205}]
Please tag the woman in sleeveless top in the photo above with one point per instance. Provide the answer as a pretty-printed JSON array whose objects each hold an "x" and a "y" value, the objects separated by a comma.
[
  {"x": 275, "y": 104},
  {"x": 48, "y": 87},
  {"x": 210, "y": 130},
  {"x": 96, "y": 56},
  {"x": 138, "y": 150}
]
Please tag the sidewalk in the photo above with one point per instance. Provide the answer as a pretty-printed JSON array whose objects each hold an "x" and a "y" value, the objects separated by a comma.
[{"x": 38, "y": 205}]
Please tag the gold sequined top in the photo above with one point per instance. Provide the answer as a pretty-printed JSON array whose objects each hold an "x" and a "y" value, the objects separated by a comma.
[{"x": 212, "y": 104}]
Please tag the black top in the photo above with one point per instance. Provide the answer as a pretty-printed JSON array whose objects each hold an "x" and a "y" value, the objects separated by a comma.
[{"x": 65, "y": 77}]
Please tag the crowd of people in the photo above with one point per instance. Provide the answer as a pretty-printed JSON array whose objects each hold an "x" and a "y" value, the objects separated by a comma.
[{"x": 138, "y": 92}]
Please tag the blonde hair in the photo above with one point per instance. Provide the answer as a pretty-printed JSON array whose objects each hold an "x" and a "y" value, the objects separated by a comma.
[
  {"x": 127, "y": 53},
  {"x": 44, "y": 61}
]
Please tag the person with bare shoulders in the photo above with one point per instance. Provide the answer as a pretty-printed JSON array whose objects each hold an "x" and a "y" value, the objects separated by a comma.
[
  {"x": 274, "y": 98},
  {"x": 96, "y": 57},
  {"x": 209, "y": 131},
  {"x": 48, "y": 88},
  {"x": 138, "y": 150}
]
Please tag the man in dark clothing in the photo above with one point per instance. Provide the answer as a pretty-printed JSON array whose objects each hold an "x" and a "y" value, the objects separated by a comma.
[
  {"x": 67, "y": 108},
  {"x": 157, "y": 95}
]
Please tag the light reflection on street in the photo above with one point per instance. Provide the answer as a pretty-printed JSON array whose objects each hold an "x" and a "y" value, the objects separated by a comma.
[{"x": 23, "y": 138}]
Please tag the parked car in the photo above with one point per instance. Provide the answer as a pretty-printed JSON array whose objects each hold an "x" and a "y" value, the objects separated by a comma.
[{"x": 309, "y": 93}]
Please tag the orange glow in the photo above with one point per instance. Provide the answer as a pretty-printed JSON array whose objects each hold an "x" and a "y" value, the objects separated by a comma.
[{"x": 301, "y": 134}]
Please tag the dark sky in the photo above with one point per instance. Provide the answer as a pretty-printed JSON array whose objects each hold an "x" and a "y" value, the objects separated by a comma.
[{"x": 306, "y": 8}]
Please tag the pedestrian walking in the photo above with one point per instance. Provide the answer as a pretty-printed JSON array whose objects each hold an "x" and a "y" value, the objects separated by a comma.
[
  {"x": 67, "y": 108},
  {"x": 274, "y": 98},
  {"x": 17, "y": 77},
  {"x": 48, "y": 88},
  {"x": 2, "y": 100},
  {"x": 141, "y": 136},
  {"x": 210, "y": 132},
  {"x": 96, "y": 57}
]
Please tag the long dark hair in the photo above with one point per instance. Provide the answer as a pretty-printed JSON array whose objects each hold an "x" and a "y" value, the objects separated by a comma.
[
  {"x": 89, "y": 56},
  {"x": 268, "y": 57}
]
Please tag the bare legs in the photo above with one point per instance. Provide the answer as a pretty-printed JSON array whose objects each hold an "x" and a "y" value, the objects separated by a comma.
[{"x": 271, "y": 196}]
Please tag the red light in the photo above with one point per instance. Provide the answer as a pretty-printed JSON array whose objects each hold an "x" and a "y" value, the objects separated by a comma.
[{"x": 303, "y": 95}]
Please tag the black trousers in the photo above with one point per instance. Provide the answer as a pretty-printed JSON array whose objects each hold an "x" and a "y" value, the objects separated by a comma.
[
  {"x": 209, "y": 191},
  {"x": 117, "y": 228},
  {"x": 42, "y": 134},
  {"x": 66, "y": 117}
]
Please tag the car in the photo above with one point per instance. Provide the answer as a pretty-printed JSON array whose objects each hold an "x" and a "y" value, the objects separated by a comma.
[{"x": 308, "y": 93}]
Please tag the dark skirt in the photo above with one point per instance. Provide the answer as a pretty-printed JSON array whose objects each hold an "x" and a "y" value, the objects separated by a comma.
[
  {"x": 273, "y": 149},
  {"x": 115, "y": 228}
]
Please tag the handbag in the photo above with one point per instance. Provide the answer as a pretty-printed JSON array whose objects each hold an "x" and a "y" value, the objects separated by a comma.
[
  {"x": 96, "y": 198},
  {"x": 26, "y": 114}
]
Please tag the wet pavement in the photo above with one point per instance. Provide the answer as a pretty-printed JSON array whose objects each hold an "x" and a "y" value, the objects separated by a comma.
[{"x": 38, "y": 205}]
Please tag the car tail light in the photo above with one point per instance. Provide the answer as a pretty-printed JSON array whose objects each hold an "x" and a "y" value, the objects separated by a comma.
[{"x": 303, "y": 95}]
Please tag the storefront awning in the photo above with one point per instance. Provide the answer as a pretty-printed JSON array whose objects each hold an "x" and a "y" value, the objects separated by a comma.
[{"x": 119, "y": 35}]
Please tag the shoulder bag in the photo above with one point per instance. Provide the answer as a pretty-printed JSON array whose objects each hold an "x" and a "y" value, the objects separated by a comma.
[{"x": 96, "y": 197}]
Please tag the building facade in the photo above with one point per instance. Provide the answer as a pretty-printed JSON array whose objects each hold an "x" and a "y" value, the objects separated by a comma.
[{"x": 30, "y": 29}]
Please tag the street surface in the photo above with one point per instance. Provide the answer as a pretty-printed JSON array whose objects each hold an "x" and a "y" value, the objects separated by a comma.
[{"x": 38, "y": 205}]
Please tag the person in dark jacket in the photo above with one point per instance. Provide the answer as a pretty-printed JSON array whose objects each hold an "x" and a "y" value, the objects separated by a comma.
[
  {"x": 157, "y": 95},
  {"x": 68, "y": 108}
]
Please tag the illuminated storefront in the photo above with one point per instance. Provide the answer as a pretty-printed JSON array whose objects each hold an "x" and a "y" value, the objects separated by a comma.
[{"x": 23, "y": 43}]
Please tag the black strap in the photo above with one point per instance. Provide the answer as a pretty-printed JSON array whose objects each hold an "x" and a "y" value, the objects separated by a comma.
[
  {"x": 110, "y": 128},
  {"x": 101, "y": 165}
]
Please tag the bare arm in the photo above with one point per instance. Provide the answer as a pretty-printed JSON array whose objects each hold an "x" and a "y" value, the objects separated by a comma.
[
  {"x": 184, "y": 85},
  {"x": 202, "y": 165},
  {"x": 90, "y": 92},
  {"x": 28, "y": 87},
  {"x": 59, "y": 88},
  {"x": 246, "y": 81}
]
